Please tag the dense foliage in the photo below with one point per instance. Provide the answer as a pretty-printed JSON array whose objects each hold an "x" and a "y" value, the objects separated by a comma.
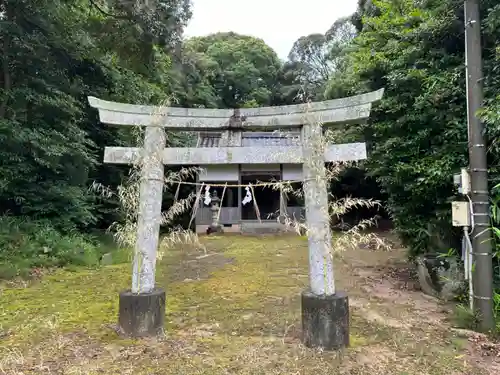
[
  {"x": 29, "y": 246},
  {"x": 240, "y": 70},
  {"x": 56, "y": 53},
  {"x": 418, "y": 134}
]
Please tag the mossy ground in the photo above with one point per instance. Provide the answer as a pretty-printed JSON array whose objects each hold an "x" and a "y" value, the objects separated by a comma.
[{"x": 235, "y": 310}]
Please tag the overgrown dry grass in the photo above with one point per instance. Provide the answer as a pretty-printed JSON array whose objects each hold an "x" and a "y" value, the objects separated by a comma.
[{"x": 233, "y": 310}]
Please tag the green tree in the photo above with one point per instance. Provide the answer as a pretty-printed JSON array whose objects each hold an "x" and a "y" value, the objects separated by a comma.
[
  {"x": 290, "y": 88},
  {"x": 54, "y": 54},
  {"x": 316, "y": 58},
  {"x": 191, "y": 80},
  {"x": 239, "y": 69},
  {"x": 418, "y": 134},
  {"x": 46, "y": 155},
  {"x": 144, "y": 26}
]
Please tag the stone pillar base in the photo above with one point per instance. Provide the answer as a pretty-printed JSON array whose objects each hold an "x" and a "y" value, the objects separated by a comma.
[
  {"x": 215, "y": 229},
  {"x": 142, "y": 315},
  {"x": 325, "y": 320}
]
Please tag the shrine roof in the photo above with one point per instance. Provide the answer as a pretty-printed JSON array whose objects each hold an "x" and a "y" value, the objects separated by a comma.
[{"x": 249, "y": 139}]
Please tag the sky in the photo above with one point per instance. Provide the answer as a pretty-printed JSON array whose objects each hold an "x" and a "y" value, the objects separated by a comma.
[{"x": 278, "y": 22}]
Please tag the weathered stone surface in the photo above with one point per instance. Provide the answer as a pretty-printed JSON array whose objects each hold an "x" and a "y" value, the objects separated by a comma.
[
  {"x": 345, "y": 152},
  {"x": 351, "y": 101},
  {"x": 142, "y": 315},
  {"x": 333, "y": 111},
  {"x": 317, "y": 215},
  {"x": 149, "y": 218},
  {"x": 121, "y": 155},
  {"x": 107, "y": 259},
  {"x": 325, "y": 320},
  {"x": 237, "y": 155},
  {"x": 341, "y": 115},
  {"x": 439, "y": 277}
]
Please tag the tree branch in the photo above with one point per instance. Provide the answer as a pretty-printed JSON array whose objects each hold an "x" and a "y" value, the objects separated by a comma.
[{"x": 107, "y": 14}]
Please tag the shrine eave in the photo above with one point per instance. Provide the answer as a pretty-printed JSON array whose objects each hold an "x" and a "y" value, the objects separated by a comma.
[{"x": 337, "y": 111}]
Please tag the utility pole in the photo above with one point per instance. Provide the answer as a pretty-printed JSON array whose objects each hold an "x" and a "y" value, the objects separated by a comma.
[{"x": 481, "y": 235}]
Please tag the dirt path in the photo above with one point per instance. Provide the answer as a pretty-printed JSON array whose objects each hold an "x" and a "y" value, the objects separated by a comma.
[
  {"x": 236, "y": 310},
  {"x": 391, "y": 297}
]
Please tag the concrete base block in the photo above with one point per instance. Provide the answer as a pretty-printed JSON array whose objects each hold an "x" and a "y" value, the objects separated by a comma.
[
  {"x": 142, "y": 315},
  {"x": 325, "y": 320},
  {"x": 215, "y": 229}
]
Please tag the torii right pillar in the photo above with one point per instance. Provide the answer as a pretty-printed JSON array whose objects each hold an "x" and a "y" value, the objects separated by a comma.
[{"x": 325, "y": 310}]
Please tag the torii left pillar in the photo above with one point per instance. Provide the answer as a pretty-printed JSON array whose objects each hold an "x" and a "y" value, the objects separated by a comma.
[{"x": 142, "y": 309}]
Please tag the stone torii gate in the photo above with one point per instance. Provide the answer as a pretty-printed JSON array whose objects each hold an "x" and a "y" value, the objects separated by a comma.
[{"x": 325, "y": 312}]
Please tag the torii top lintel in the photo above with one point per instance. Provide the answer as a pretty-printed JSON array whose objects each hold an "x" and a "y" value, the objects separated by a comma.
[{"x": 336, "y": 111}]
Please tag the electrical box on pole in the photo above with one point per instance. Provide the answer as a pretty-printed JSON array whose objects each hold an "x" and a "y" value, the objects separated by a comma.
[
  {"x": 465, "y": 177},
  {"x": 462, "y": 181},
  {"x": 460, "y": 214}
]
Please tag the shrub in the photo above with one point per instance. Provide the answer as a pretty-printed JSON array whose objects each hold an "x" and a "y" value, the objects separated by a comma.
[{"x": 25, "y": 245}]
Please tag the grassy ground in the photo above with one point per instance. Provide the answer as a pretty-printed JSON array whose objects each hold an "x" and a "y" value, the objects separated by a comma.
[{"x": 234, "y": 310}]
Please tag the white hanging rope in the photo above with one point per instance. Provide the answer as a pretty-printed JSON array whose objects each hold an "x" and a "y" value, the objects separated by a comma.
[
  {"x": 248, "y": 196},
  {"x": 257, "y": 184},
  {"x": 207, "y": 197}
]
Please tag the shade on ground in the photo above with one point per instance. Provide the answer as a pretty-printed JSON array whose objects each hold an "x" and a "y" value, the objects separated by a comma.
[{"x": 235, "y": 310}]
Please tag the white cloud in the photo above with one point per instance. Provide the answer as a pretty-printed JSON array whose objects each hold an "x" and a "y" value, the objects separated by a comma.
[{"x": 278, "y": 22}]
